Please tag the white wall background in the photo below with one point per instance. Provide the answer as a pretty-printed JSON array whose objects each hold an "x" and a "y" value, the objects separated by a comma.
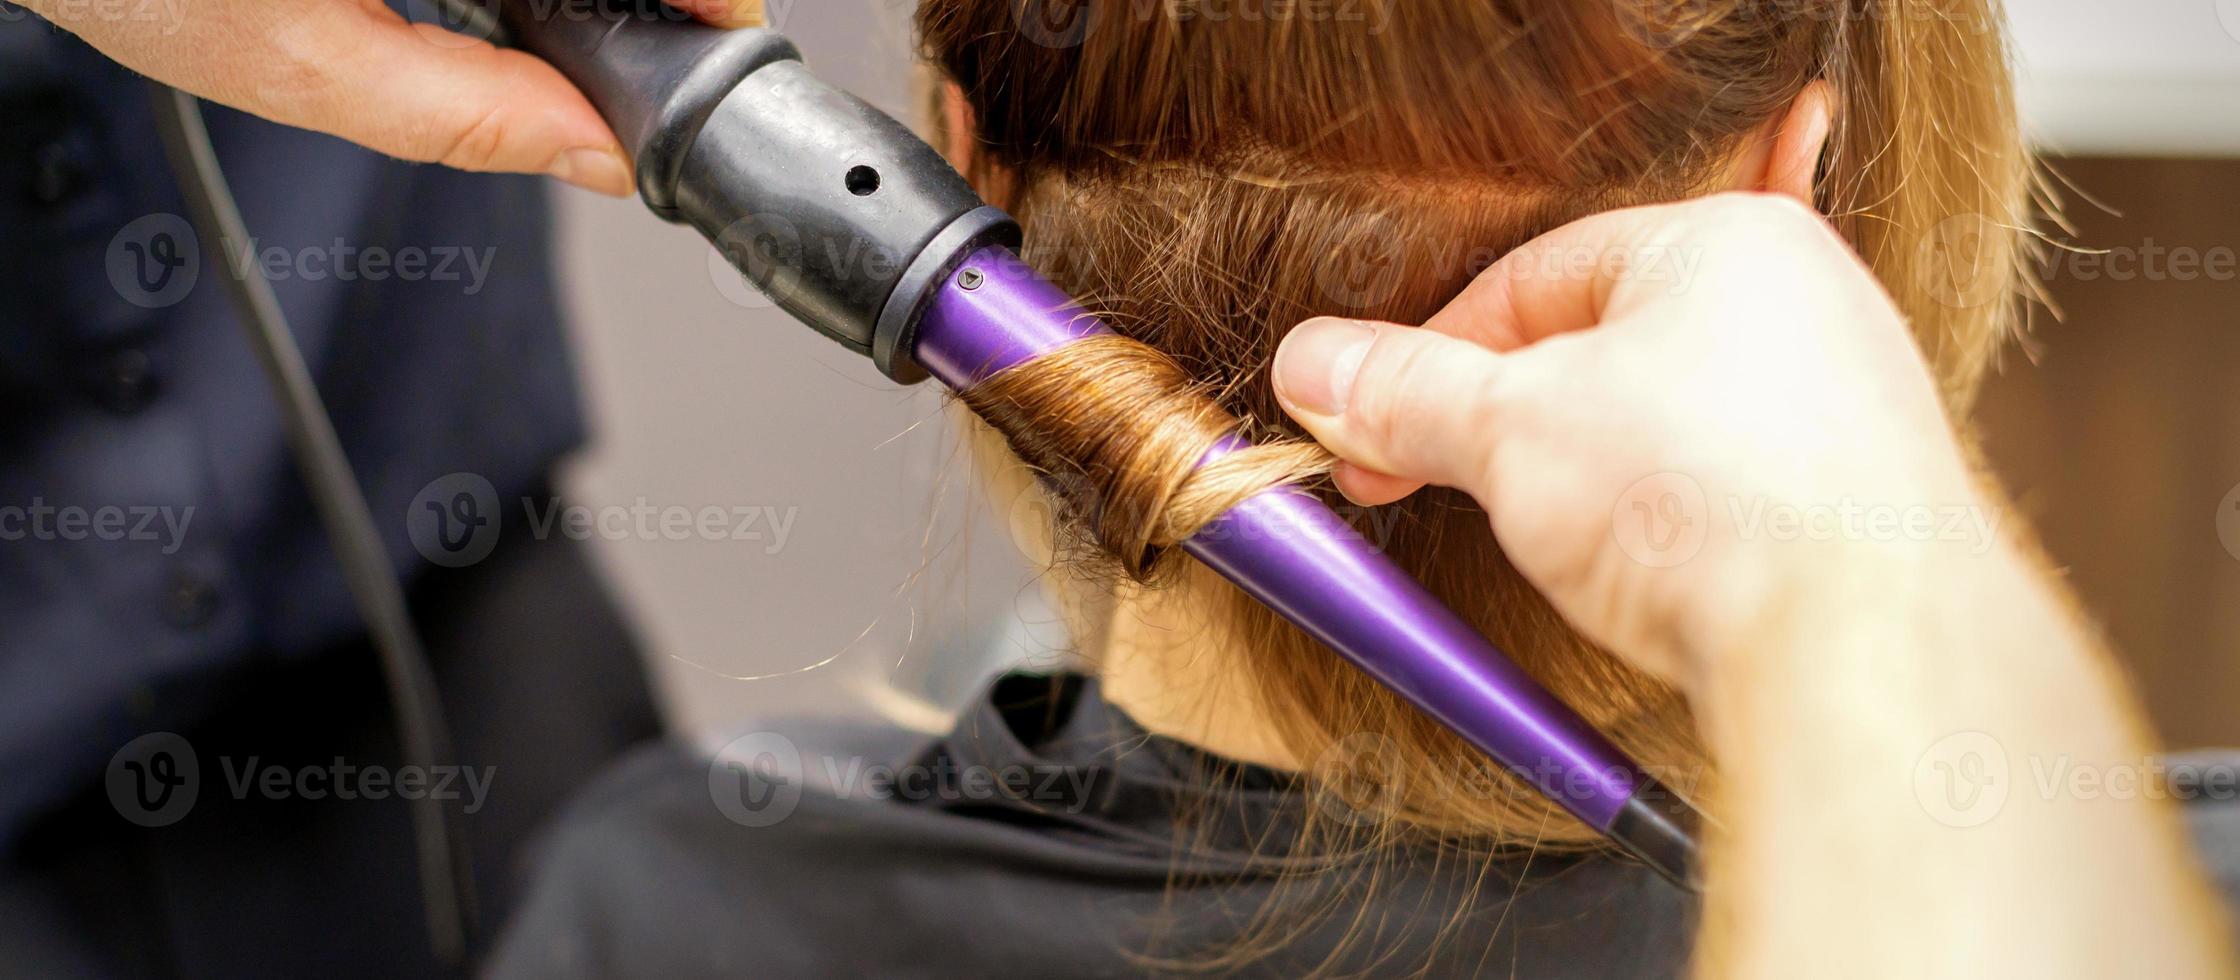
[
  {"x": 702, "y": 397},
  {"x": 2130, "y": 77}
]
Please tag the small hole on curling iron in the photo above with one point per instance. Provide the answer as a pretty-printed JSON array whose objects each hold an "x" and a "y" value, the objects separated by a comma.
[{"x": 863, "y": 181}]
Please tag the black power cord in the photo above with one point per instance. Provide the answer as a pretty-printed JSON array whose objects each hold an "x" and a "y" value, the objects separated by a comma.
[{"x": 446, "y": 883}]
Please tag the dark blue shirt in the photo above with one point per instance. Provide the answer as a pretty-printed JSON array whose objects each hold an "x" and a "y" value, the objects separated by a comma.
[{"x": 154, "y": 533}]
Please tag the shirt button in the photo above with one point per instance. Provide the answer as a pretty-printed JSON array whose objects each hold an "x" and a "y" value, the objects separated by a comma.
[
  {"x": 189, "y": 600},
  {"x": 127, "y": 380},
  {"x": 56, "y": 175}
]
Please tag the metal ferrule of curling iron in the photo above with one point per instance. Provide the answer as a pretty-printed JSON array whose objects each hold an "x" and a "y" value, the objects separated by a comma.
[
  {"x": 860, "y": 230},
  {"x": 847, "y": 220}
]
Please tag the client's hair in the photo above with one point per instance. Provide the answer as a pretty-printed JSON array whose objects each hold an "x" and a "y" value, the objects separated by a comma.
[{"x": 1206, "y": 174}]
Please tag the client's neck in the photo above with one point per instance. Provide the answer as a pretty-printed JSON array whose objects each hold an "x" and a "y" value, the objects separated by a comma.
[{"x": 1165, "y": 663}]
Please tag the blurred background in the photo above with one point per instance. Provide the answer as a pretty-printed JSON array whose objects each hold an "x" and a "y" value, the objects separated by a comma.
[{"x": 2117, "y": 425}]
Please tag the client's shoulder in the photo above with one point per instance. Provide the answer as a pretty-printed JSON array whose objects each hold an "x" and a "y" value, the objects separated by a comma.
[
  {"x": 786, "y": 794},
  {"x": 763, "y": 854}
]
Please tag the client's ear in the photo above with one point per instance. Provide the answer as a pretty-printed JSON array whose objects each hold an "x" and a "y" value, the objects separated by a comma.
[
  {"x": 958, "y": 139},
  {"x": 1791, "y": 152}
]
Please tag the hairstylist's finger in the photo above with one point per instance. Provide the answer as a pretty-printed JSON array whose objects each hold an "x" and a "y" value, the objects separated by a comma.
[
  {"x": 1370, "y": 488},
  {"x": 1606, "y": 266},
  {"x": 1558, "y": 282},
  {"x": 723, "y": 13},
  {"x": 358, "y": 70},
  {"x": 1395, "y": 400},
  {"x": 418, "y": 92},
  {"x": 1543, "y": 288}
]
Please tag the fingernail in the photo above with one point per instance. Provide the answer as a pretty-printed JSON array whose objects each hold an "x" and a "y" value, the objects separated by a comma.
[
  {"x": 600, "y": 169},
  {"x": 742, "y": 13},
  {"x": 1339, "y": 480},
  {"x": 1316, "y": 363}
]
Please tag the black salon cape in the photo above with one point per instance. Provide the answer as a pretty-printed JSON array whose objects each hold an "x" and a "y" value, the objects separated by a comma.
[{"x": 1040, "y": 840}]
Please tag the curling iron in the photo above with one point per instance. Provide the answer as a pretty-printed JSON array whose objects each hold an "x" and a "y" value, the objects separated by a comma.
[{"x": 797, "y": 182}]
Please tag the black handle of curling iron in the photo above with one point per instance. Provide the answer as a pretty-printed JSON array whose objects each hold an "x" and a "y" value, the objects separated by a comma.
[{"x": 834, "y": 209}]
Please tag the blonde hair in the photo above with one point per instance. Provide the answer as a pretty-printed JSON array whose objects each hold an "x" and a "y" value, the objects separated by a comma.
[{"x": 1206, "y": 182}]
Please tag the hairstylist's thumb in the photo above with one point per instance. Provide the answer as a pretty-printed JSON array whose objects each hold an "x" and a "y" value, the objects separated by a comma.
[
  {"x": 358, "y": 70},
  {"x": 420, "y": 93},
  {"x": 1404, "y": 401}
]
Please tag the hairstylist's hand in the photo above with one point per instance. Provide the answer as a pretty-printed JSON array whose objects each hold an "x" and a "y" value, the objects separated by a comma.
[
  {"x": 355, "y": 69},
  {"x": 1622, "y": 431},
  {"x": 1620, "y": 423}
]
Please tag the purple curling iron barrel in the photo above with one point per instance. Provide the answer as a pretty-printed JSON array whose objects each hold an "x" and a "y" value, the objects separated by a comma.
[{"x": 864, "y": 233}]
